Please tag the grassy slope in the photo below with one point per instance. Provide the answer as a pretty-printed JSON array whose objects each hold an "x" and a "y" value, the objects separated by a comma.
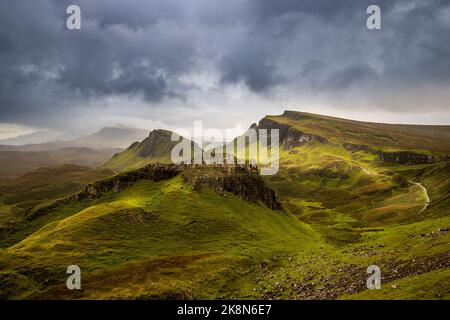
[
  {"x": 379, "y": 135},
  {"x": 344, "y": 211},
  {"x": 40, "y": 186},
  {"x": 156, "y": 148},
  {"x": 432, "y": 285},
  {"x": 360, "y": 204},
  {"x": 129, "y": 159},
  {"x": 154, "y": 240}
]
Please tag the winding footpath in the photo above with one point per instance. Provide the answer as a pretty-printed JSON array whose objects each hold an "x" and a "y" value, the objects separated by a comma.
[{"x": 425, "y": 192}]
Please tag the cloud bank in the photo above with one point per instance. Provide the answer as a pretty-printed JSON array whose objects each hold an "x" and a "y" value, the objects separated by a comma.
[{"x": 170, "y": 62}]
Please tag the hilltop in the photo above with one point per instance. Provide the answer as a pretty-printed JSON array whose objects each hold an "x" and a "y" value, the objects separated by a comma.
[
  {"x": 156, "y": 148},
  {"x": 379, "y": 136}
]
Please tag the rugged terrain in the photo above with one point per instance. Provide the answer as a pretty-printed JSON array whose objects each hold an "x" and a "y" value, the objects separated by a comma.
[
  {"x": 348, "y": 195},
  {"x": 156, "y": 148},
  {"x": 91, "y": 150}
]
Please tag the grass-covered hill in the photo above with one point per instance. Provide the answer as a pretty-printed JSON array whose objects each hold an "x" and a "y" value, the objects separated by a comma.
[
  {"x": 347, "y": 195},
  {"x": 171, "y": 232},
  {"x": 381, "y": 136},
  {"x": 156, "y": 148},
  {"x": 364, "y": 188},
  {"x": 41, "y": 186}
]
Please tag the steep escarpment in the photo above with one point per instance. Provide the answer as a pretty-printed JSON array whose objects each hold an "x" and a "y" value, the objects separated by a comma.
[
  {"x": 290, "y": 137},
  {"x": 390, "y": 143},
  {"x": 243, "y": 181},
  {"x": 406, "y": 157},
  {"x": 379, "y": 136},
  {"x": 152, "y": 172},
  {"x": 157, "y": 144},
  {"x": 116, "y": 183},
  {"x": 400, "y": 157},
  {"x": 156, "y": 148}
]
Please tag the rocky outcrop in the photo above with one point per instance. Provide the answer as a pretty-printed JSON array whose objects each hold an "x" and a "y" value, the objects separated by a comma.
[
  {"x": 290, "y": 137},
  {"x": 157, "y": 144},
  {"x": 153, "y": 172},
  {"x": 294, "y": 115},
  {"x": 400, "y": 157},
  {"x": 243, "y": 181},
  {"x": 357, "y": 147},
  {"x": 406, "y": 157}
]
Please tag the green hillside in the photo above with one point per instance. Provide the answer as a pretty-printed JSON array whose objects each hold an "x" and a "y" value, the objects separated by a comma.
[
  {"x": 334, "y": 176},
  {"x": 344, "y": 198},
  {"x": 433, "y": 138},
  {"x": 156, "y": 148},
  {"x": 153, "y": 240},
  {"x": 41, "y": 186}
]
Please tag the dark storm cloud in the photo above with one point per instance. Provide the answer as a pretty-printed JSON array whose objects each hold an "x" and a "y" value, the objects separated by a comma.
[
  {"x": 351, "y": 76},
  {"x": 144, "y": 48},
  {"x": 121, "y": 49},
  {"x": 249, "y": 63},
  {"x": 419, "y": 51}
]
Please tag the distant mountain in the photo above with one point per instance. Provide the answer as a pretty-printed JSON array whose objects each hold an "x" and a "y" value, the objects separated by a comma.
[
  {"x": 108, "y": 137},
  {"x": 15, "y": 163},
  {"x": 111, "y": 137},
  {"x": 37, "y": 137},
  {"x": 157, "y": 147}
]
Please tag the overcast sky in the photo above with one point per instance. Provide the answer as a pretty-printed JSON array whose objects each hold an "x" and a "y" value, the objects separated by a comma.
[{"x": 166, "y": 63}]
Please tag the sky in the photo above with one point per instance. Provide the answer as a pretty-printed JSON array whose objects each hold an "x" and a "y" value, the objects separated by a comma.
[{"x": 166, "y": 63}]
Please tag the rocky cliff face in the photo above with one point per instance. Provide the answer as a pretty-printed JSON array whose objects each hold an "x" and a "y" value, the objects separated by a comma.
[
  {"x": 241, "y": 180},
  {"x": 152, "y": 172},
  {"x": 157, "y": 144},
  {"x": 406, "y": 157},
  {"x": 289, "y": 136},
  {"x": 400, "y": 157},
  {"x": 357, "y": 147}
]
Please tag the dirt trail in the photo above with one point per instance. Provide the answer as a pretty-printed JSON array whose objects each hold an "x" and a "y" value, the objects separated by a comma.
[{"x": 425, "y": 192}]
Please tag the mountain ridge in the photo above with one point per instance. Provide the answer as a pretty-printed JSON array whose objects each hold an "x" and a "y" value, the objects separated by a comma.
[
  {"x": 347, "y": 195},
  {"x": 105, "y": 138},
  {"x": 156, "y": 147}
]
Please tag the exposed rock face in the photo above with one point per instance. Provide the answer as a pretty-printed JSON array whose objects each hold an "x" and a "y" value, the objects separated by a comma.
[
  {"x": 294, "y": 115},
  {"x": 133, "y": 145},
  {"x": 400, "y": 157},
  {"x": 156, "y": 141},
  {"x": 153, "y": 172},
  {"x": 289, "y": 136},
  {"x": 243, "y": 181},
  {"x": 406, "y": 157},
  {"x": 357, "y": 147}
]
